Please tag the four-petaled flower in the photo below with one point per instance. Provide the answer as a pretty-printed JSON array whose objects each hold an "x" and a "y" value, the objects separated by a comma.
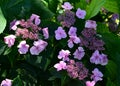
[
  {"x": 73, "y": 39},
  {"x": 38, "y": 47},
  {"x": 97, "y": 75},
  {"x": 98, "y": 58},
  {"x": 10, "y": 39},
  {"x": 60, "y": 33},
  {"x": 67, "y": 6},
  {"x": 61, "y": 65},
  {"x": 79, "y": 53},
  {"x": 23, "y": 47},
  {"x": 6, "y": 82},
  {"x": 72, "y": 31},
  {"x": 64, "y": 55},
  {"x": 80, "y": 13},
  {"x": 90, "y": 24}
]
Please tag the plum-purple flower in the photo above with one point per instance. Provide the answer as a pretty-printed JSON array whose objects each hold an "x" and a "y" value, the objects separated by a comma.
[
  {"x": 64, "y": 55},
  {"x": 38, "y": 47},
  {"x": 67, "y": 6},
  {"x": 61, "y": 65},
  {"x": 45, "y": 33},
  {"x": 72, "y": 31},
  {"x": 23, "y": 47},
  {"x": 90, "y": 24},
  {"x": 9, "y": 40},
  {"x": 79, "y": 53},
  {"x": 97, "y": 75},
  {"x": 60, "y": 33},
  {"x": 80, "y": 13},
  {"x": 90, "y": 83},
  {"x": 6, "y": 82},
  {"x": 73, "y": 39}
]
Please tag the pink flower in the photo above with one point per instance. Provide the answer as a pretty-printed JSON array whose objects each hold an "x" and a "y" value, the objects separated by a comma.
[
  {"x": 104, "y": 59},
  {"x": 67, "y": 6},
  {"x": 60, "y": 33},
  {"x": 97, "y": 75},
  {"x": 10, "y": 39},
  {"x": 61, "y": 65},
  {"x": 72, "y": 31},
  {"x": 6, "y": 82},
  {"x": 23, "y": 47},
  {"x": 38, "y": 47},
  {"x": 90, "y": 24},
  {"x": 73, "y": 39},
  {"x": 13, "y": 24},
  {"x": 45, "y": 33},
  {"x": 90, "y": 83},
  {"x": 64, "y": 54},
  {"x": 35, "y": 18},
  {"x": 80, "y": 13},
  {"x": 96, "y": 57},
  {"x": 79, "y": 53}
]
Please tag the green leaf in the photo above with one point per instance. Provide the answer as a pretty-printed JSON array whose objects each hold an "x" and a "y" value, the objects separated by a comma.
[
  {"x": 41, "y": 9},
  {"x": 112, "y": 6},
  {"x": 2, "y": 47},
  {"x": 82, "y": 4},
  {"x": 17, "y": 81},
  {"x": 2, "y": 21},
  {"x": 94, "y": 8},
  {"x": 111, "y": 70}
]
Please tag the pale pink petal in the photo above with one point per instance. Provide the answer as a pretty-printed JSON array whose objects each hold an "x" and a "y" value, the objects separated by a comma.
[{"x": 90, "y": 83}]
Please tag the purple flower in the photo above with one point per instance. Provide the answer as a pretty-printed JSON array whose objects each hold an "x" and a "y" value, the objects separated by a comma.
[
  {"x": 67, "y": 6},
  {"x": 13, "y": 24},
  {"x": 90, "y": 24},
  {"x": 96, "y": 57},
  {"x": 35, "y": 18},
  {"x": 6, "y": 82},
  {"x": 10, "y": 39},
  {"x": 97, "y": 75},
  {"x": 38, "y": 47},
  {"x": 61, "y": 65},
  {"x": 64, "y": 55},
  {"x": 60, "y": 33},
  {"x": 45, "y": 32},
  {"x": 90, "y": 83},
  {"x": 72, "y": 31},
  {"x": 23, "y": 47},
  {"x": 79, "y": 53},
  {"x": 73, "y": 39},
  {"x": 104, "y": 59},
  {"x": 80, "y": 13}
]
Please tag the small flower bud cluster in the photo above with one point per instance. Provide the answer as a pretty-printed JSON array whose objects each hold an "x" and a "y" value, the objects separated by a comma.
[
  {"x": 67, "y": 18},
  {"x": 89, "y": 37},
  {"x": 28, "y": 30},
  {"x": 76, "y": 70}
]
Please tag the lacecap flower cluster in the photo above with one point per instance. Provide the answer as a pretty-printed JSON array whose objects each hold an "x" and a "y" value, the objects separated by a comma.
[{"x": 88, "y": 39}]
